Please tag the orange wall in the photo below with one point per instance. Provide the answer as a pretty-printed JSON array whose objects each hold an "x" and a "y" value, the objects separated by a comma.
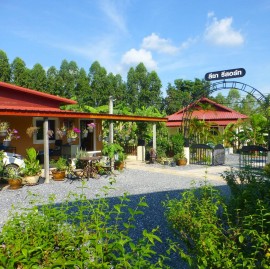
[{"x": 24, "y": 142}]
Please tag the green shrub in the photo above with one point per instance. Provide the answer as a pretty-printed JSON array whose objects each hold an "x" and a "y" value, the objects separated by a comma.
[
  {"x": 80, "y": 234},
  {"x": 211, "y": 239}
]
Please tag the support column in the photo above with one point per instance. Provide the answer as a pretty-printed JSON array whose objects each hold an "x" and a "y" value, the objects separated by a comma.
[
  {"x": 111, "y": 122},
  {"x": 46, "y": 150},
  {"x": 111, "y": 129},
  {"x": 155, "y": 137}
]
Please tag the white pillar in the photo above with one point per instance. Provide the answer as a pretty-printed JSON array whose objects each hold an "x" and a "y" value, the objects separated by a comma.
[
  {"x": 46, "y": 150},
  {"x": 186, "y": 152},
  {"x": 155, "y": 136},
  {"x": 111, "y": 122}
]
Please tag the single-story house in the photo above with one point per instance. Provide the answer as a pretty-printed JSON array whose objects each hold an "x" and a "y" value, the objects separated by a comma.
[
  {"x": 206, "y": 110},
  {"x": 23, "y": 108}
]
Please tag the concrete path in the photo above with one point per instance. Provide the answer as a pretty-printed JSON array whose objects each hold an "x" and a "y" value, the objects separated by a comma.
[{"x": 195, "y": 171}]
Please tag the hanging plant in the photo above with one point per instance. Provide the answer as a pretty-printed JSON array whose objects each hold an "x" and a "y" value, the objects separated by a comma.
[{"x": 32, "y": 130}]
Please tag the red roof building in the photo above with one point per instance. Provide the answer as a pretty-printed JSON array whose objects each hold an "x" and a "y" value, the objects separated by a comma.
[{"x": 206, "y": 110}]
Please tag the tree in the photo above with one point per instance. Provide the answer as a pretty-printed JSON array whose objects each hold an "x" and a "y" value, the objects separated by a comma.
[
  {"x": 82, "y": 88},
  {"x": 117, "y": 88},
  {"x": 234, "y": 99},
  {"x": 38, "y": 79},
  {"x": 4, "y": 67},
  {"x": 143, "y": 88},
  {"x": 55, "y": 83},
  {"x": 184, "y": 92},
  {"x": 69, "y": 72},
  {"x": 132, "y": 90},
  {"x": 99, "y": 85},
  {"x": 19, "y": 73}
]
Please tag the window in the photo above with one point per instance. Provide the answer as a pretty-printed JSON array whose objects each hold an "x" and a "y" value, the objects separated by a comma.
[{"x": 38, "y": 122}]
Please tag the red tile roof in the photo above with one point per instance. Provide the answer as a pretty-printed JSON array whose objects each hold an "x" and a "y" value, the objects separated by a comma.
[{"x": 219, "y": 114}]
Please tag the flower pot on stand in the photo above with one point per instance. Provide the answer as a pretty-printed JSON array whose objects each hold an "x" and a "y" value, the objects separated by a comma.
[
  {"x": 3, "y": 132},
  {"x": 6, "y": 143}
]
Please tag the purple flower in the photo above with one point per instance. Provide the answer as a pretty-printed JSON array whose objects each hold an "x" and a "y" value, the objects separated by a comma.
[{"x": 76, "y": 130}]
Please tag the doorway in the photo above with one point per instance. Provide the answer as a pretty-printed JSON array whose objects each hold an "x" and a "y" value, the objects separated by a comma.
[{"x": 87, "y": 136}]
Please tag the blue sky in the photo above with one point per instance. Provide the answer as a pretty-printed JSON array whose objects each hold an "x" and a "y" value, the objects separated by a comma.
[{"x": 179, "y": 39}]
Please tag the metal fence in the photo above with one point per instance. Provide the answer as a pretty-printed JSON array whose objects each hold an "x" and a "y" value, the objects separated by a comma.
[
  {"x": 207, "y": 155},
  {"x": 130, "y": 150},
  {"x": 253, "y": 157}
]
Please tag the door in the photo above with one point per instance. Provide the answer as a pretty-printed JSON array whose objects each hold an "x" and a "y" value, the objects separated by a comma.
[{"x": 86, "y": 136}]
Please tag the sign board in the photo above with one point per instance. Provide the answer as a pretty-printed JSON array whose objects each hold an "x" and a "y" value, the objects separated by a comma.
[{"x": 225, "y": 74}]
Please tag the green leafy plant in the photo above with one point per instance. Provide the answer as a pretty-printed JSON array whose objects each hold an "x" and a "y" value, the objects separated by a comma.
[
  {"x": 80, "y": 234},
  {"x": 110, "y": 149},
  {"x": 215, "y": 238},
  {"x": 60, "y": 164},
  {"x": 32, "y": 166}
]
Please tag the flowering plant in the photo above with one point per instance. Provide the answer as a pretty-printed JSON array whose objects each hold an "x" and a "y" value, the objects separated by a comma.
[
  {"x": 63, "y": 128},
  {"x": 4, "y": 125},
  {"x": 73, "y": 133},
  {"x": 32, "y": 130},
  {"x": 11, "y": 134},
  {"x": 91, "y": 126},
  {"x": 85, "y": 132}
]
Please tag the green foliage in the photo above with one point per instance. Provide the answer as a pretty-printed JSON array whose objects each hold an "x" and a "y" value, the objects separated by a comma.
[
  {"x": 32, "y": 166},
  {"x": 215, "y": 236},
  {"x": 110, "y": 149},
  {"x": 177, "y": 141},
  {"x": 80, "y": 234},
  {"x": 60, "y": 164},
  {"x": 247, "y": 187}
]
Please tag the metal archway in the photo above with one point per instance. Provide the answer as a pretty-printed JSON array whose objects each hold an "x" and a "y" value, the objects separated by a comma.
[{"x": 217, "y": 86}]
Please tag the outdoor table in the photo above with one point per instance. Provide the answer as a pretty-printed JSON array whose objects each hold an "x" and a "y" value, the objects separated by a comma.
[{"x": 90, "y": 168}]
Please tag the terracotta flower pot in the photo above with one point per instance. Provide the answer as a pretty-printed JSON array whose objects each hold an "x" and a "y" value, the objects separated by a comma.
[
  {"x": 182, "y": 161},
  {"x": 59, "y": 175},
  {"x": 14, "y": 183}
]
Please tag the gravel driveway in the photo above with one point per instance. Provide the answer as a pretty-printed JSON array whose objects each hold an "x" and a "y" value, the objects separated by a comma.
[{"x": 153, "y": 181}]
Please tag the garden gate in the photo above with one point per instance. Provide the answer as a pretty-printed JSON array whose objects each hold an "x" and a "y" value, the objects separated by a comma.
[
  {"x": 252, "y": 157},
  {"x": 204, "y": 154}
]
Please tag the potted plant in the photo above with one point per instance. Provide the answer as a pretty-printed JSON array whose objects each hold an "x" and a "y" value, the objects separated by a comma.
[
  {"x": 4, "y": 125},
  {"x": 72, "y": 134},
  {"x": 12, "y": 174},
  {"x": 91, "y": 126},
  {"x": 111, "y": 149},
  {"x": 11, "y": 134},
  {"x": 32, "y": 169},
  {"x": 119, "y": 163},
  {"x": 180, "y": 158},
  {"x": 32, "y": 130},
  {"x": 60, "y": 166}
]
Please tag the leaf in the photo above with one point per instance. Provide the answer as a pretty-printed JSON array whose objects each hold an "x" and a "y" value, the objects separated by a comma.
[{"x": 241, "y": 238}]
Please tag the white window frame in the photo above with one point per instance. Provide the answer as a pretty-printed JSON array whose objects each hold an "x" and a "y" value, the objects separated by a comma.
[{"x": 41, "y": 141}]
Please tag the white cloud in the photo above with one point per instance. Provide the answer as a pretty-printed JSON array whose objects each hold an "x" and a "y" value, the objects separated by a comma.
[
  {"x": 220, "y": 32},
  {"x": 154, "y": 42},
  {"x": 113, "y": 12},
  {"x": 134, "y": 57}
]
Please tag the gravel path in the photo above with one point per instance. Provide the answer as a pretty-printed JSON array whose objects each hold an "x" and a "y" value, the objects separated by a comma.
[{"x": 155, "y": 182}]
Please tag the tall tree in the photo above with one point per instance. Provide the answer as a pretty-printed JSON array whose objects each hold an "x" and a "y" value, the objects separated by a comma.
[
  {"x": 184, "y": 92},
  {"x": 4, "y": 67},
  {"x": 82, "y": 89},
  {"x": 132, "y": 90},
  {"x": 234, "y": 99},
  {"x": 19, "y": 73},
  {"x": 38, "y": 79},
  {"x": 152, "y": 95},
  {"x": 69, "y": 72},
  {"x": 55, "y": 83},
  {"x": 117, "y": 88},
  {"x": 99, "y": 85}
]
